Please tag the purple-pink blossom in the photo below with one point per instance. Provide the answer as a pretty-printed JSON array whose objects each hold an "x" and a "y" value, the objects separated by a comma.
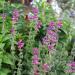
[
  {"x": 36, "y": 71},
  {"x": 38, "y": 25},
  {"x": 59, "y": 24},
  {"x": 45, "y": 67},
  {"x": 34, "y": 17},
  {"x": 35, "y": 14},
  {"x": 71, "y": 67},
  {"x": 15, "y": 16},
  {"x": 20, "y": 44},
  {"x": 35, "y": 60},
  {"x": 51, "y": 47},
  {"x": 51, "y": 37},
  {"x": 71, "y": 64},
  {"x": 35, "y": 51},
  {"x": 51, "y": 25},
  {"x": 35, "y": 10}
]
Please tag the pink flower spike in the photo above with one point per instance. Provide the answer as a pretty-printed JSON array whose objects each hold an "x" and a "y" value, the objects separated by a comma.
[
  {"x": 35, "y": 62},
  {"x": 35, "y": 51},
  {"x": 35, "y": 57},
  {"x": 20, "y": 44},
  {"x": 59, "y": 24},
  {"x": 50, "y": 47},
  {"x": 72, "y": 64},
  {"x": 35, "y": 10},
  {"x": 52, "y": 23},
  {"x": 45, "y": 67}
]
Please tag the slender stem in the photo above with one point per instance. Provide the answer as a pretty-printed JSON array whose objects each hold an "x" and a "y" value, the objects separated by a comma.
[
  {"x": 19, "y": 69},
  {"x": 13, "y": 50},
  {"x": 3, "y": 27}
]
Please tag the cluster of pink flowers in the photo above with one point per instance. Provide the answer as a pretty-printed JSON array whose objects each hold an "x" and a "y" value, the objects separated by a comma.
[
  {"x": 35, "y": 56},
  {"x": 35, "y": 60},
  {"x": 35, "y": 14},
  {"x": 15, "y": 16},
  {"x": 20, "y": 44},
  {"x": 72, "y": 67},
  {"x": 51, "y": 37}
]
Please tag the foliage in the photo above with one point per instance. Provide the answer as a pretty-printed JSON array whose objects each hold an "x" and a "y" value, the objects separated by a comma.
[{"x": 10, "y": 55}]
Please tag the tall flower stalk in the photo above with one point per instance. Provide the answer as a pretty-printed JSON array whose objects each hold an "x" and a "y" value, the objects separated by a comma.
[
  {"x": 51, "y": 38},
  {"x": 3, "y": 18},
  {"x": 15, "y": 17},
  {"x": 3, "y": 27},
  {"x": 35, "y": 61},
  {"x": 20, "y": 46}
]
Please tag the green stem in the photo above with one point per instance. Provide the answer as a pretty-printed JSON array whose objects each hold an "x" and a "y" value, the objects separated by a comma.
[
  {"x": 13, "y": 51},
  {"x": 19, "y": 69}
]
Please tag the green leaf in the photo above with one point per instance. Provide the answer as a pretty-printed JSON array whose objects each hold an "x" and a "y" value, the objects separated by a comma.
[
  {"x": 2, "y": 45},
  {"x": 6, "y": 38},
  {"x": 4, "y": 71},
  {"x": 0, "y": 38},
  {"x": 7, "y": 58}
]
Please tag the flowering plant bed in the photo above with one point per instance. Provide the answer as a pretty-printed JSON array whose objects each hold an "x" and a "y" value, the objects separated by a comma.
[{"x": 35, "y": 43}]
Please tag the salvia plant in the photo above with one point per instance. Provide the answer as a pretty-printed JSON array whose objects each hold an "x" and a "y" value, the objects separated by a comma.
[{"x": 38, "y": 43}]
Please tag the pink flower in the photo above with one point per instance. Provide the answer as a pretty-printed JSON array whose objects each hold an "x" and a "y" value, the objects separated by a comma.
[
  {"x": 35, "y": 10},
  {"x": 35, "y": 51},
  {"x": 51, "y": 25},
  {"x": 32, "y": 17},
  {"x": 53, "y": 39},
  {"x": 35, "y": 60},
  {"x": 72, "y": 64},
  {"x": 35, "y": 14},
  {"x": 59, "y": 24},
  {"x": 38, "y": 25},
  {"x": 52, "y": 33},
  {"x": 72, "y": 67},
  {"x": 15, "y": 16},
  {"x": 20, "y": 44},
  {"x": 36, "y": 71},
  {"x": 45, "y": 67},
  {"x": 35, "y": 57},
  {"x": 50, "y": 47}
]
